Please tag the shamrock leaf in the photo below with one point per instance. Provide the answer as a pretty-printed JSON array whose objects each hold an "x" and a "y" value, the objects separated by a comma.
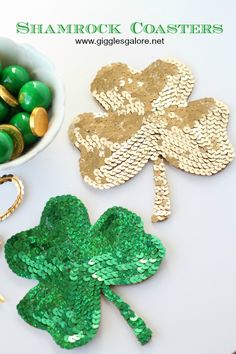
[
  {"x": 149, "y": 118},
  {"x": 75, "y": 262}
]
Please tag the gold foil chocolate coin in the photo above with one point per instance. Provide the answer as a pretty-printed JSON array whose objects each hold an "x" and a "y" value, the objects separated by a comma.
[
  {"x": 7, "y": 97},
  {"x": 39, "y": 121},
  {"x": 17, "y": 138}
]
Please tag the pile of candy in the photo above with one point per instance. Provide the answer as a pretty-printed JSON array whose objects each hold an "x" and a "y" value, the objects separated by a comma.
[{"x": 23, "y": 120}]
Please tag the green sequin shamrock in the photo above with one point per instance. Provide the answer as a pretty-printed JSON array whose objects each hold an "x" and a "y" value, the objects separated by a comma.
[{"x": 75, "y": 262}]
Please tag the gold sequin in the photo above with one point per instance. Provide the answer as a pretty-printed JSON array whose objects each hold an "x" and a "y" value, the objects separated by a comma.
[{"x": 149, "y": 118}]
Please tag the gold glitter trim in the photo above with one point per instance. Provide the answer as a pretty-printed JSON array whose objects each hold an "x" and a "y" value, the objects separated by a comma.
[{"x": 19, "y": 198}]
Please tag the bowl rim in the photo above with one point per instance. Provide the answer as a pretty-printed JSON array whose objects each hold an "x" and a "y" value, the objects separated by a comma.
[{"x": 53, "y": 131}]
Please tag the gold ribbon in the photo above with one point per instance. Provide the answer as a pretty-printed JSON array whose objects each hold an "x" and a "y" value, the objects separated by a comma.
[{"x": 19, "y": 198}]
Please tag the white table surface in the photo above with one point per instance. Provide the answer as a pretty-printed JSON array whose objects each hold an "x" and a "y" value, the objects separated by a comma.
[{"x": 190, "y": 302}]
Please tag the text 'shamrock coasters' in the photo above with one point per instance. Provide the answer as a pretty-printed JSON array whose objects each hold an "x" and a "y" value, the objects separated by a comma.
[
  {"x": 149, "y": 118},
  {"x": 75, "y": 262}
]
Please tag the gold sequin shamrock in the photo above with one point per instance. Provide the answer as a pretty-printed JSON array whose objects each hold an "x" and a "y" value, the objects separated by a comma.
[
  {"x": 149, "y": 118},
  {"x": 75, "y": 262}
]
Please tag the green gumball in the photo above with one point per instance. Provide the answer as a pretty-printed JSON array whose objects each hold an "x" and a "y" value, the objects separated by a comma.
[
  {"x": 22, "y": 122},
  {"x": 34, "y": 94},
  {"x": 4, "y": 110},
  {"x": 14, "y": 77},
  {"x": 6, "y": 147}
]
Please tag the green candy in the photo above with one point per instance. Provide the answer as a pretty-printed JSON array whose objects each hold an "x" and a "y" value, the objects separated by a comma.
[
  {"x": 21, "y": 122},
  {"x": 4, "y": 110},
  {"x": 6, "y": 147},
  {"x": 14, "y": 77},
  {"x": 34, "y": 94}
]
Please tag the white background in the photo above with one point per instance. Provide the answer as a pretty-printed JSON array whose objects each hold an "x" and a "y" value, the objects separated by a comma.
[{"x": 190, "y": 302}]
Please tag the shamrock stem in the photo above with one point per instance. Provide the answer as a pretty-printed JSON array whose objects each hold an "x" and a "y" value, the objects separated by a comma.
[
  {"x": 161, "y": 209},
  {"x": 141, "y": 331}
]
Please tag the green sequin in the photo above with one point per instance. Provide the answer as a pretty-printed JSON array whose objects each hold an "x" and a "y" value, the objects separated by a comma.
[{"x": 75, "y": 262}]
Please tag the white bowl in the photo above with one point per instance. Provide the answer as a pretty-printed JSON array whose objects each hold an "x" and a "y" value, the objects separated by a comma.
[{"x": 42, "y": 69}]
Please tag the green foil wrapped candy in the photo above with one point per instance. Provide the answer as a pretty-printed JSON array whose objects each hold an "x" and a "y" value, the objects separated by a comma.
[{"x": 75, "y": 262}]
